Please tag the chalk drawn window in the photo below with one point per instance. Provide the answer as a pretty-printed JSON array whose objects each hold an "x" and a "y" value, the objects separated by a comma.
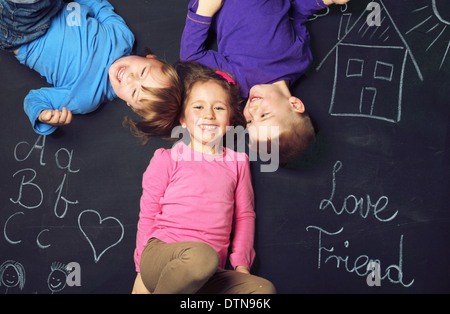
[
  {"x": 355, "y": 67},
  {"x": 384, "y": 71}
]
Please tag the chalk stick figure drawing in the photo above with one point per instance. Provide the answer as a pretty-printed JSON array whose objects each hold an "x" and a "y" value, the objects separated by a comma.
[
  {"x": 57, "y": 278},
  {"x": 12, "y": 274},
  {"x": 370, "y": 64}
]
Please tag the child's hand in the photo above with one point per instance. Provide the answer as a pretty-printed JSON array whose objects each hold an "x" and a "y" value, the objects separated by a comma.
[
  {"x": 209, "y": 7},
  {"x": 139, "y": 287},
  {"x": 56, "y": 117},
  {"x": 330, "y": 2},
  {"x": 242, "y": 269}
]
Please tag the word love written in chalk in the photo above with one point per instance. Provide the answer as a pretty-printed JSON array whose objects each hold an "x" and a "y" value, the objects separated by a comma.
[{"x": 353, "y": 205}]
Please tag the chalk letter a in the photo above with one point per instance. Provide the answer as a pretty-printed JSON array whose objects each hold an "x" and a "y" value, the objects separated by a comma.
[
  {"x": 374, "y": 277},
  {"x": 374, "y": 17},
  {"x": 74, "y": 278},
  {"x": 74, "y": 17}
]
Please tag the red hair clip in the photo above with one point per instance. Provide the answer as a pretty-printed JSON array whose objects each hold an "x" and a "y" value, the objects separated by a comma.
[{"x": 227, "y": 77}]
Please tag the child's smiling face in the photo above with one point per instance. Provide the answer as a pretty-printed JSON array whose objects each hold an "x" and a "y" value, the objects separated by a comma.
[
  {"x": 267, "y": 107},
  {"x": 206, "y": 114},
  {"x": 129, "y": 75}
]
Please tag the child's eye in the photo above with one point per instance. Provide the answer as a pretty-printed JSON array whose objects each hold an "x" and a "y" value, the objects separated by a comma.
[{"x": 143, "y": 71}]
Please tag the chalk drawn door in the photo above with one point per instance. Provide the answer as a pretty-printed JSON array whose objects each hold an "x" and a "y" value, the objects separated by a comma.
[{"x": 367, "y": 100}]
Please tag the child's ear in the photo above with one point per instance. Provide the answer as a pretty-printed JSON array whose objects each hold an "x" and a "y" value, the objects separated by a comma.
[
  {"x": 150, "y": 56},
  {"x": 296, "y": 104},
  {"x": 181, "y": 120}
]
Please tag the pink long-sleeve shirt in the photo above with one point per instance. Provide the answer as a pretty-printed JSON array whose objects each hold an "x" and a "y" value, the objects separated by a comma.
[{"x": 190, "y": 196}]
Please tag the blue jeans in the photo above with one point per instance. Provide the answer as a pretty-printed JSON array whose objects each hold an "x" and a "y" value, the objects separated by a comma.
[{"x": 22, "y": 21}]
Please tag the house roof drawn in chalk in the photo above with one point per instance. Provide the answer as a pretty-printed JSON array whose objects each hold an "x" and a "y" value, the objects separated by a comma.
[{"x": 369, "y": 68}]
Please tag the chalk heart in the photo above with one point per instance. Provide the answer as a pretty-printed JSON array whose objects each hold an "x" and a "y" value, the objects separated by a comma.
[{"x": 101, "y": 236}]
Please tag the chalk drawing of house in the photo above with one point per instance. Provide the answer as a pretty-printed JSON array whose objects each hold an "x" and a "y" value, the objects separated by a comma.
[{"x": 370, "y": 64}]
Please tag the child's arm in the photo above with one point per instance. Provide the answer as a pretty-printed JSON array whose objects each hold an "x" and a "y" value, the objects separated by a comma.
[
  {"x": 209, "y": 7},
  {"x": 45, "y": 109},
  {"x": 195, "y": 34},
  {"x": 242, "y": 251},
  {"x": 303, "y": 9},
  {"x": 103, "y": 11},
  {"x": 154, "y": 183}
]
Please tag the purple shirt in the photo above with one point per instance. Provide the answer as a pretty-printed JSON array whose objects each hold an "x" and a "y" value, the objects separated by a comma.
[{"x": 257, "y": 41}]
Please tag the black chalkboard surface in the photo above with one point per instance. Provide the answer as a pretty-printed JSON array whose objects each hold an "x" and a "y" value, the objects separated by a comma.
[{"x": 364, "y": 210}]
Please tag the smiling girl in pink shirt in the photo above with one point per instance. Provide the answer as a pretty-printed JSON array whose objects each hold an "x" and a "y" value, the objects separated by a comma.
[{"x": 195, "y": 197}]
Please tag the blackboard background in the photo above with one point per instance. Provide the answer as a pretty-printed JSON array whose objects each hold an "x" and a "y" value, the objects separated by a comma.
[{"x": 404, "y": 164}]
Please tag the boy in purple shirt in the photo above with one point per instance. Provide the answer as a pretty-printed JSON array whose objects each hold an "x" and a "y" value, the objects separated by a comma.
[{"x": 267, "y": 52}]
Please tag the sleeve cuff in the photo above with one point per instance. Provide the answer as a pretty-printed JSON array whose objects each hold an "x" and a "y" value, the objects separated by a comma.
[
  {"x": 307, "y": 8},
  {"x": 39, "y": 127},
  {"x": 244, "y": 260},
  {"x": 194, "y": 17},
  {"x": 43, "y": 128},
  {"x": 321, "y": 4}
]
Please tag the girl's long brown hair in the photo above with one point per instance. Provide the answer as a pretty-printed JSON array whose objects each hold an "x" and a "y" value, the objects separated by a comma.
[
  {"x": 161, "y": 108},
  {"x": 164, "y": 106}
]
